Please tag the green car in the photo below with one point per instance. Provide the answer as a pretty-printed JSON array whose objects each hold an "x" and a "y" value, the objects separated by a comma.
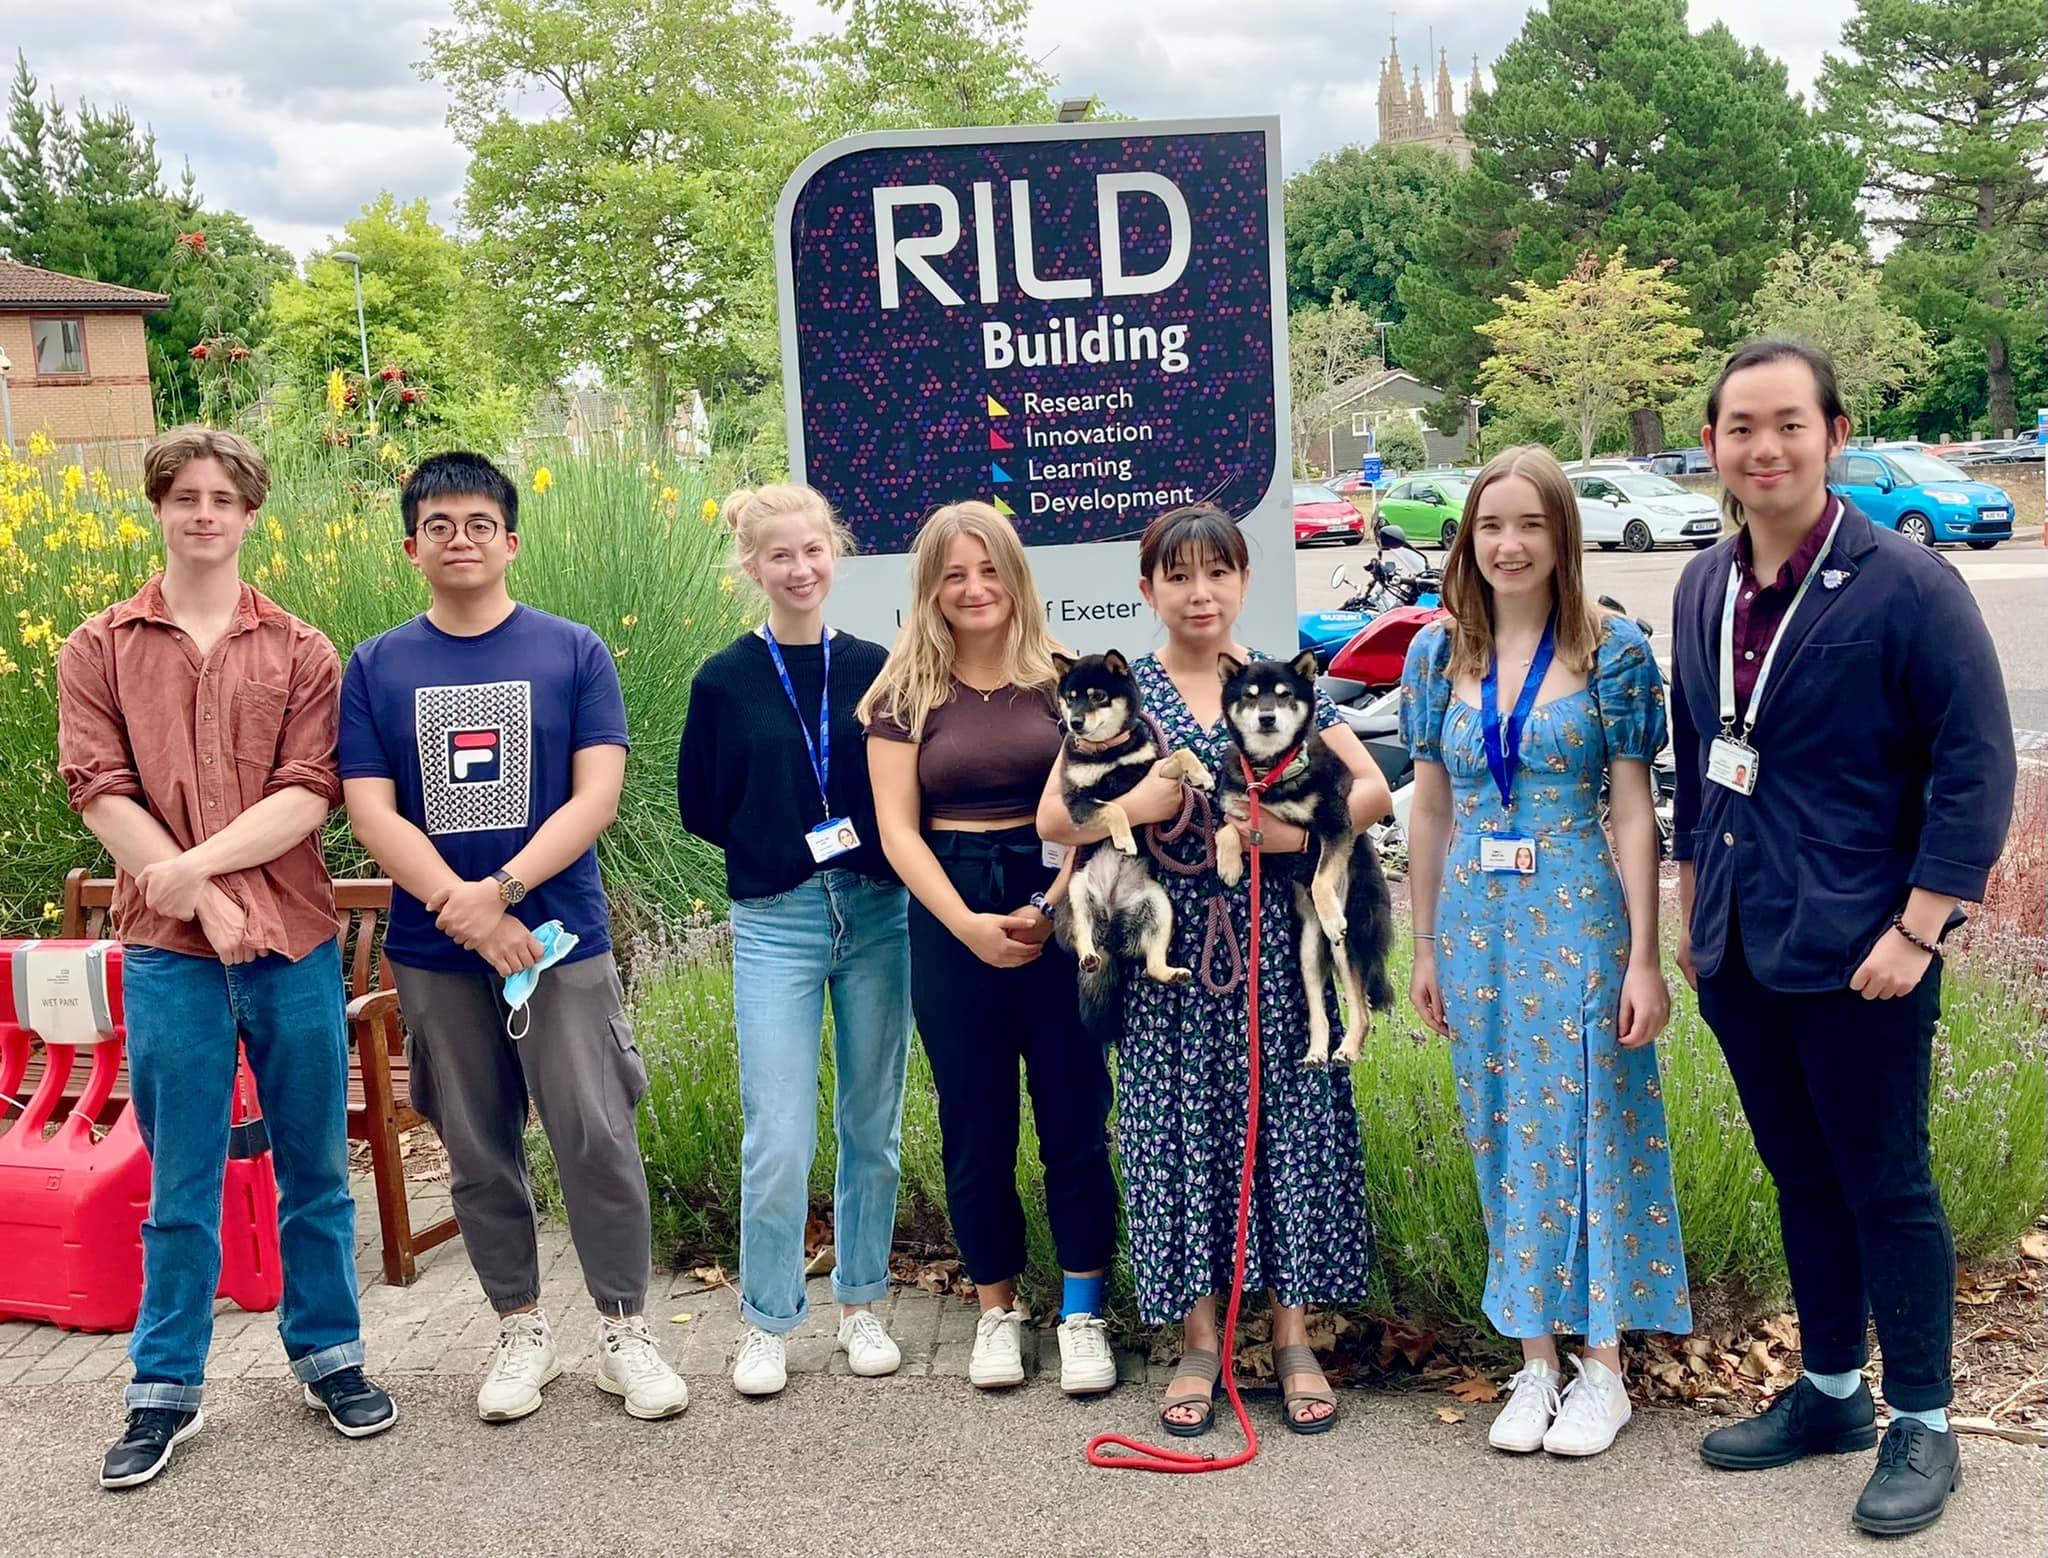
[{"x": 1427, "y": 506}]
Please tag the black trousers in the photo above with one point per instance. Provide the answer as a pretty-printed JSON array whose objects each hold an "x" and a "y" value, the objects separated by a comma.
[
  {"x": 1836, "y": 1090},
  {"x": 978, "y": 1024}
]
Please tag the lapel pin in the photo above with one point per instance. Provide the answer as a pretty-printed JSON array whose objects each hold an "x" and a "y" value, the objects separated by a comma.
[{"x": 1831, "y": 578}]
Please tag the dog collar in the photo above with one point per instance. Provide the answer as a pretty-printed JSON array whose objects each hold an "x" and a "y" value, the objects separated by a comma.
[
  {"x": 1095, "y": 748},
  {"x": 1273, "y": 775}
]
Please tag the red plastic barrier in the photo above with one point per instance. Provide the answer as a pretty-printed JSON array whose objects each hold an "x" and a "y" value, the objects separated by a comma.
[{"x": 73, "y": 1199}]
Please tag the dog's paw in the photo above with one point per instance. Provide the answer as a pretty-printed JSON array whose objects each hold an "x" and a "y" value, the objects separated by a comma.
[
  {"x": 1347, "y": 1053},
  {"x": 1230, "y": 869},
  {"x": 1128, "y": 844},
  {"x": 1334, "y": 926},
  {"x": 1196, "y": 774},
  {"x": 1314, "y": 1062},
  {"x": 1175, "y": 976},
  {"x": 1091, "y": 963}
]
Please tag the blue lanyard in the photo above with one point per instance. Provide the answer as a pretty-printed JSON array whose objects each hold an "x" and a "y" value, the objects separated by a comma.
[
  {"x": 821, "y": 749},
  {"x": 1504, "y": 748}
]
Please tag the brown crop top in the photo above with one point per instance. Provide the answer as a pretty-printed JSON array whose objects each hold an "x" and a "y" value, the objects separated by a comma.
[{"x": 982, "y": 759}]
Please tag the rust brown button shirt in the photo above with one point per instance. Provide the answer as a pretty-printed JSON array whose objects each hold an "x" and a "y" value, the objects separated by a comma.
[{"x": 197, "y": 740}]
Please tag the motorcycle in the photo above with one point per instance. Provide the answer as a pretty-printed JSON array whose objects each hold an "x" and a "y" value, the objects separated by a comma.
[{"x": 1397, "y": 575}]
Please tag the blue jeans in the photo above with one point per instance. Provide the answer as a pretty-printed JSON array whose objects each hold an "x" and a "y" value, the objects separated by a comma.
[
  {"x": 184, "y": 1017},
  {"x": 843, "y": 932}
]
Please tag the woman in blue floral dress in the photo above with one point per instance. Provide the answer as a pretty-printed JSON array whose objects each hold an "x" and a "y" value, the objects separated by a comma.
[
  {"x": 1183, "y": 1067},
  {"x": 1533, "y": 957}
]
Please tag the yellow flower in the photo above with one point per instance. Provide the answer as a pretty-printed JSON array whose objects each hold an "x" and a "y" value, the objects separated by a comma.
[
  {"x": 725, "y": 583},
  {"x": 7, "y": 665},
  {"x": 710, "y": 510},
  {"x": 276, "y": 530},
  {"x": 668, "y": 494},
  {"x": 51, "y": 911},
  {"x": 696, "y": 905},
  {"x": 391, "y": 455},
  {"x": 40, "y": 444},
  {"x": 542, "y": 480},
  {"x": 337, "y": 392},
  {"x": 629, "y": 620}
]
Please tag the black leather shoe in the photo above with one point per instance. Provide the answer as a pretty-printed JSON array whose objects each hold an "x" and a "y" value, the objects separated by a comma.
[
  {"x": 353, "y": 1405},
  {"x": 1917, "y": 1469},
  {"x": 1804, "y": 1421},
  {"x": 145, "y": 1449}
]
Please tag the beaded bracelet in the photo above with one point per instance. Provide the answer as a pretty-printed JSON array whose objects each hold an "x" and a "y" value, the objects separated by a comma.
[{"x": 1899, "y": 924}]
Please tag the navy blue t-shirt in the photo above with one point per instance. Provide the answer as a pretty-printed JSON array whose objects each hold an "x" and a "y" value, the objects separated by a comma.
[{"x": 479, "y": 736}]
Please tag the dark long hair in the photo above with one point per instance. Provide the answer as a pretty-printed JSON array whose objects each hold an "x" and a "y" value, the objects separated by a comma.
[{"x": 1754, "y": 353}]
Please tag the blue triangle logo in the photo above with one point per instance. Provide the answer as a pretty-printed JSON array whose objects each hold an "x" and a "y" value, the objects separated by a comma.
[{"x": 997, "y": 473}]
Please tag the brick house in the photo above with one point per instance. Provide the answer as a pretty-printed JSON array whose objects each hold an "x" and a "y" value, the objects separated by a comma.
[{"x": 80, "y": 366}]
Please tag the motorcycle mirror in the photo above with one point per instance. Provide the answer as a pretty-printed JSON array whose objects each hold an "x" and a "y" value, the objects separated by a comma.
[
  {"x": 1394, "y": 534},
  {"x": 1340, "y": 579}
]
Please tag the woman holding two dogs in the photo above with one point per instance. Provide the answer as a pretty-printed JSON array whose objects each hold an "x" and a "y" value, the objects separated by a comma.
[
  {"x": 1183, "y": 1059},
  {"x": 961, "y": 734},
  {"x": 1533, "y": 957}
]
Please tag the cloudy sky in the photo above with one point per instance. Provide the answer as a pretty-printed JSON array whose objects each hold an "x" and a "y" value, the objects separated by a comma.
[{"x": 297, "y": 114}]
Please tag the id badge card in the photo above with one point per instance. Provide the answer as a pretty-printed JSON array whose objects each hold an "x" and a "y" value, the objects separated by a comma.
[
  {"x": 1050, "y": 855},
  {"x": 1732, "y": 765},
  {"x": 1507, "y": 854},
  {"x": 832, "y": 838}
]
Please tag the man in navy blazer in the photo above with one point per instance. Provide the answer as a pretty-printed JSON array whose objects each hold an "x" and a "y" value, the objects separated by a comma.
[{"x": 1845, "y": 780}]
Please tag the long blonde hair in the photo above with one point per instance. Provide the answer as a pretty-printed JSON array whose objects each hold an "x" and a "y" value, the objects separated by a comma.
[
  {"x": 1469, "y": 597},
  {"x": 919, "y": 674}
]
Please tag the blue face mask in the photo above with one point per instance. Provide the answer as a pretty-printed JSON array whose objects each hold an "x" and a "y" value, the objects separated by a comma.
[{"x": 556, "y": 944}]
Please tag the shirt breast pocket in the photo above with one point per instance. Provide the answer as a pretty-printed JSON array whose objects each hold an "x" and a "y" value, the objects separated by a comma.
[
  {"x": 1837, "y": 677},
  {"x": 257, "y": 722}
]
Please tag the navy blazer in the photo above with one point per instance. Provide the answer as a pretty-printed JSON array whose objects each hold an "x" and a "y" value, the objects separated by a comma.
[{"x": 1885, "y": 759}]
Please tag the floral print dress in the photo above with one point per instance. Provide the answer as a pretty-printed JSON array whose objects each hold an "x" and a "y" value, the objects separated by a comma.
[
  {"x": 1182, "y": 1074},
  {"x": 1566, "y": 1127}
]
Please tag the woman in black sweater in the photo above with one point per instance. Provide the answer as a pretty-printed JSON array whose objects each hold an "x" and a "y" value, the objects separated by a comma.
[{"x": 772, "y": 772}]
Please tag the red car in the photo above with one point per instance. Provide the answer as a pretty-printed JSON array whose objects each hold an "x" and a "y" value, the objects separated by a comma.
[{"x": 1320, "y": 515}]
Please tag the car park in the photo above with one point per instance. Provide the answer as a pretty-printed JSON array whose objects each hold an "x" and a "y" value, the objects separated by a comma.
[
  {"x": 1681, "y": 462},
  {"x": 1622, "y": 506},
  {"x": 1321, "y": 515},
  {"x": 1922, "y": 497},
  {"x": 1427, "y": 506}
]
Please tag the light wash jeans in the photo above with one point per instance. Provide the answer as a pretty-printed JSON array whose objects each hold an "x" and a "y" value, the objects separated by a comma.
[
  {"x": 184, "y": 1016},
  {"x": 847, "y": 933}
]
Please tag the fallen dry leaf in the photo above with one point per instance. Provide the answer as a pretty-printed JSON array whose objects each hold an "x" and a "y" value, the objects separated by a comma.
[
  {"x": 681, "y": 1319},
  {"x": 2034, "y": 1245},
  {"x": 1449, "y": 1415},
  {"x": 1998, "y": 1333},
  {"x": 1756, "y": 1363},
  {"x": 1474, "y": 1390},
  {"x": 713, "y": 1276},
  {"x": 1784, "y": 1330}
]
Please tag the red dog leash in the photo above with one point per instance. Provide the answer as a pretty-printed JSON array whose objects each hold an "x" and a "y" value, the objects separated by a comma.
[{"x": 1152, "y": 1457}]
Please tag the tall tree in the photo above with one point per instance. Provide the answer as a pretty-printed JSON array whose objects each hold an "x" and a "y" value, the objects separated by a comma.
[
  {"x": 921, "y": 63},
  {"x": 1830, "y": 295},
  {"x": 30, "y": 170},
  {"x": 1611, "y": 124},
  {"x": 1327, "y": 348},
  {"x": 1602, "y": 342},
  {"x": 1948, "y": 100},
  {"x": 1355, "y": 219}
]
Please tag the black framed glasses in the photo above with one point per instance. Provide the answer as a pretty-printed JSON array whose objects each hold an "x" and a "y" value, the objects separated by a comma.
[{"x": 480, "y": 530}]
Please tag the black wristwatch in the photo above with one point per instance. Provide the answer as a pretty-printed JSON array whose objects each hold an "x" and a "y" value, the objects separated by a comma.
[{"x": 510, "y": 888}]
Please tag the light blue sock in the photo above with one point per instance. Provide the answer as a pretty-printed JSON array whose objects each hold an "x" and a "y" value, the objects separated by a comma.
[
  {"x": 1840, "y": 1386},
  {"x": 1081, "y": 1296},
  {"x": 1935, "y": 1418}
]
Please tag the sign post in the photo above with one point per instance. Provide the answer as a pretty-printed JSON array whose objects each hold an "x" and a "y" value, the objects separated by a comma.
[{"x": 1084, "y": 325}]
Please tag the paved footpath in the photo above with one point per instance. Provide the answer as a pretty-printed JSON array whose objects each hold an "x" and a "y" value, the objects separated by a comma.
[{"x": 918, "y": 1463}]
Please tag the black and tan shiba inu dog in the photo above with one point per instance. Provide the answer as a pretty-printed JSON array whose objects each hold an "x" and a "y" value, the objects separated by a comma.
[
  {"x": 1340, "y": 892},
  {"x": 1113, "y": 909}
]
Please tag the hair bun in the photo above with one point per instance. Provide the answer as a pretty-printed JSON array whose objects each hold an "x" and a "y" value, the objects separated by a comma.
[{"x": 735, "y": 505}]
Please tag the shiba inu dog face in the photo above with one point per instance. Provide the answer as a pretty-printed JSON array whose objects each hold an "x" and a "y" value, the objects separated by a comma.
[
  {"x": 1098, "y": 696},
  {"x": 1269, "y": 704}
]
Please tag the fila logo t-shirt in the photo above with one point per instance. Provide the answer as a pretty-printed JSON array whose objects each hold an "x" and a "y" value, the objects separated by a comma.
[{"x": 478, "y": 737}]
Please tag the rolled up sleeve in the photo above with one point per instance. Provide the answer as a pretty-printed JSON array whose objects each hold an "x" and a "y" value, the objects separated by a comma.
[
  {"x": 93, "y": 754},
  {"x": 306, "y": 749},
  {"x": 1958, "y": 699}
]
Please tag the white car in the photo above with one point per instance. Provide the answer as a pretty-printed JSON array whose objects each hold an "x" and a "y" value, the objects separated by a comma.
[{"x": 1642, "y": 510}]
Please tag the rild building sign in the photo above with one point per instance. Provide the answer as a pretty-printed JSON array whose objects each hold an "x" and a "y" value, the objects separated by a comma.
[{"x": 1084, "y": 325}]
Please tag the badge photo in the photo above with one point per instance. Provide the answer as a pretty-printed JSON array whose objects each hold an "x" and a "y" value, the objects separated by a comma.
[
  {"x": 830, "y": 839},
  {"x": 1507, "y": 854},
  {"x": 1732, "y": 765}
]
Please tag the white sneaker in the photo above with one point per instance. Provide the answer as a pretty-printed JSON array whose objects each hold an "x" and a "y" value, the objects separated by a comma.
[
  {"x": 998, "y": 1349},
  {"x": 1532, "y": 1403},
  {"x": 870, "y": 1350},
  {"x": 1086, "y": 1363},
  {"x": 525, "y": 1361},
  {"x": 1594, "y": 1409},
  {"x": 628, "y": 1365},
  {"x": 762, "y": 1367}
]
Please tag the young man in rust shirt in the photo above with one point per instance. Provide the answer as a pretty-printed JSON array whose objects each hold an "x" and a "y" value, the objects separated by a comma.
[{"x": 196, "y": 737}]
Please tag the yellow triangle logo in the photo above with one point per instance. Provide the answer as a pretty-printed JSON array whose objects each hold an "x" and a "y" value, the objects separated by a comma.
[
  {"x": 1004, "y": 508},
  {"x": 996, "y": 408}
]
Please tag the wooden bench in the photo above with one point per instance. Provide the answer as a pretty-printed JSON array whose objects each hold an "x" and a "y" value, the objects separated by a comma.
[{"x": 379, "y": 1099}]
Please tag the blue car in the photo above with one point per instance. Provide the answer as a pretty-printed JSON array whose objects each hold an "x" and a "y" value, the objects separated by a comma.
[{"x": 1922, "y": 497}]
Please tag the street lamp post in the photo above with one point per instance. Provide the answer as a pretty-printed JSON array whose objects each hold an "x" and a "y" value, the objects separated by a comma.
[
  {"x": 6, "y": 405},
  {"x": 362, "y": 331},
  {"x": 1478, "y": 443}
]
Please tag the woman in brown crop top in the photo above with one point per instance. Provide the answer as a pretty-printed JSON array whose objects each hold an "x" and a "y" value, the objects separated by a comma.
[{"x": 962, "y": 736}]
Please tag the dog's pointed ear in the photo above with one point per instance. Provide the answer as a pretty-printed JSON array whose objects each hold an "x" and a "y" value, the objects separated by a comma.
[
  {"x": 1304, "y": 664},
  {"x": 1063, "y": 663},
  {"x": 1116, "y": 664},
  {"x": 1228, "y": 666}
]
